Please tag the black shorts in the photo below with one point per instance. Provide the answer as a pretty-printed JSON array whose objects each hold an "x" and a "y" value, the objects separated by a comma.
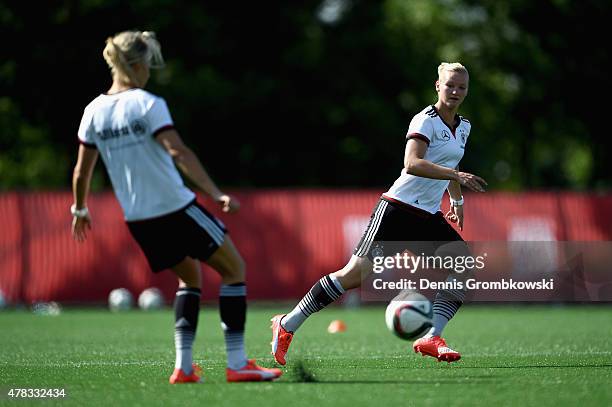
[
  {"x": 395, "y": 225},
  {"x": 166, "y": 240}
]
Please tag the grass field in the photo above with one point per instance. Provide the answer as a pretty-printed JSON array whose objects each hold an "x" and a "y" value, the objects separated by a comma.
[{"x": 512, "y": 356}]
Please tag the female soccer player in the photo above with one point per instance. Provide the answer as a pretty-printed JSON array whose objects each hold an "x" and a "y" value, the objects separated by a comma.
[
  {"x": 408, "y": 211},
  {"x": 133, "y": 132}
]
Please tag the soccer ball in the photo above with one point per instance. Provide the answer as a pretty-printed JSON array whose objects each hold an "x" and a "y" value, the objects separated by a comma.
[
  {"x": 120, "y": 299},
  {"x": 150, "y": 299},
  {"x": 409, "y": 315}
]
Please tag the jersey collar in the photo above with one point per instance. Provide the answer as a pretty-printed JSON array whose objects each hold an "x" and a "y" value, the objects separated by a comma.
[{"x": 451, "y": 128}]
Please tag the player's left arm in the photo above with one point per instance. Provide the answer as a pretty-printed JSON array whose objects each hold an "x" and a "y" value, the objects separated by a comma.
[
  {"x": 189, "y": 164},
  {"x": 455, "y": 214},
  {"x": 81, "y": 179}
]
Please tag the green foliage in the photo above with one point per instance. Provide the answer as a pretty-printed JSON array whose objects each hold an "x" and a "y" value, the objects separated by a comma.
[
  {"x": 282, "y": 94},
  {"x": 27, "y": 157}
]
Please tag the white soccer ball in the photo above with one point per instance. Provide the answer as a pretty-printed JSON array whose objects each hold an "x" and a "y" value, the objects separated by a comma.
[
  {"x": 150, "y": 299},
  {"x": 409, "y": 315},
  {"x": 120, "y": 299}
]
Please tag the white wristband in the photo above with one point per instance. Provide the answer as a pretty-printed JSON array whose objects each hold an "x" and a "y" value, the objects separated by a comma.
[
  {"x": 456, "y": 203},
  {"x": 79, "y": 213}
]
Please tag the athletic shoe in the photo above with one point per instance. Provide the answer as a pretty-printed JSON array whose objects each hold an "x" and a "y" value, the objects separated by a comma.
[
  {"x": 436, "y": 347},
  {"x": 251, "y": 372},
  {"x": 281, "y": 339},
  {"x": 179, "y": 375}
]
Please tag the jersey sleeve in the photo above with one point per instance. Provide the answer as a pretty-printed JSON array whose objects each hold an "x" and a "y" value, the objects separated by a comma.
[
  {"x": 468, "y": 125},
  {"x": 159, "y": 117},
  {"x": 86, "y": 132},
  {"x": 420, "y": 128}
]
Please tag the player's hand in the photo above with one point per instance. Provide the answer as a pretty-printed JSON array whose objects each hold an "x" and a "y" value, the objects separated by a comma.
[
  {"x": 228, "y": 203},
  {"x": 80, "y": 227},
  {"x": 473, "y": 182},
  {"x": 455, "y": 215}
]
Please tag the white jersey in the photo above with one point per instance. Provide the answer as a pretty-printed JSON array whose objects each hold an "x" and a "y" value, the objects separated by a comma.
[
  {"x": 445, "y": 147},
  {"x": 123, "y": 127}
]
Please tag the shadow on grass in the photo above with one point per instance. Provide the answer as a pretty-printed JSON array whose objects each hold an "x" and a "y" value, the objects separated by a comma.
[{"x": 300, "y": 373}]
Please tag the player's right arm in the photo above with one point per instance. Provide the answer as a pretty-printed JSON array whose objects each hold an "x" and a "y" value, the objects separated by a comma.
[
  {"x": 415, "y": 164},
  {"x": 189, "y": 164}
]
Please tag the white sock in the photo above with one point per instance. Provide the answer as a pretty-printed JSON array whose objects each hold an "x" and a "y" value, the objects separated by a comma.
[
  {"x": 319, "y": 296},
  {"x": 293, "y": 320},
  {"x": 439, "y": 323},
  {"x": 234, "y": 346},
  {"x": 445, "y": 306},
  {"x": 184, "y": 359},
  {"x": 187, "y": 307}
]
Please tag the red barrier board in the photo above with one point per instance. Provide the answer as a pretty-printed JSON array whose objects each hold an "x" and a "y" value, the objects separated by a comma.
[{"x": 288, "y": 238}]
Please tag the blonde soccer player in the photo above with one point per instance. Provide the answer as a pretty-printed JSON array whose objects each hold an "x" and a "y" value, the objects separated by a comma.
[
  {"x": 132, "y": 131},
  {"x": 408, "y": 212}
]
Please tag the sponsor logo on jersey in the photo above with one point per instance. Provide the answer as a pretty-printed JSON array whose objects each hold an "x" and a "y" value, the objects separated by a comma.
[
  {"x": 445, "y": 135},
  {"x": 137, "y": 127},
  {"x": 107, "y": 134}
]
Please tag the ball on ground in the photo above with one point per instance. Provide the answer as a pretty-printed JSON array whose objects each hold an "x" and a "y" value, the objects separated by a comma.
[
  {"x": 120, "y": 299},
  {"x": 409, "y": 315}
]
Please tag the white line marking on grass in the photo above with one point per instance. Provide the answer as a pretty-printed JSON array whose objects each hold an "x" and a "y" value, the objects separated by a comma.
[
  {"x": 531, "y": 354},
  {"x": 102, "y": 363}
]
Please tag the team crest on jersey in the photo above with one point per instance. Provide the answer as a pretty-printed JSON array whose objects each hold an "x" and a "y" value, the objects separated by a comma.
[
  {"x": 462, "y": 133},
  {"x": 445, "y": 135},
  {"x": 138, "y": 127}
]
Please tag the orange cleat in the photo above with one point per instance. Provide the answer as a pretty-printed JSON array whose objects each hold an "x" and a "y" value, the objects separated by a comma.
[
  {"x": 251, "y": 372},
  {"x": 436, "y": 347},
  {"x": 281, "y": 339},
  {"x": 179, "y": 376}
]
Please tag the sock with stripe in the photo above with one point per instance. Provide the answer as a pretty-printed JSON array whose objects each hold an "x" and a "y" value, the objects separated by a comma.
[
  {"x": 232, "y": 307},
  {"x": 186, "y": 310},
  {"x": 445, "y": 307},
  {"x": 325, "y": 291}
]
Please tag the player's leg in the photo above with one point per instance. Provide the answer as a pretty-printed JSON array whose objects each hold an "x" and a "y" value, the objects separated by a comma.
[
  {"x": 330, "y": 287},
  {"x": 232, "y": 307},
  {"x": 163, "y": 253},
  {"x": 186, "y": 312},
  {"x": 232, "y": 300},
  {"x": 326, "y": 290},
  {"x": 447, "y": 301}
]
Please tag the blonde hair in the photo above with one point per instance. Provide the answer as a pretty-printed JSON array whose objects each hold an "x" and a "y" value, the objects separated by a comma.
[
  {"x": 451, "y": 67},
  {"x": 131, "y": 47}
]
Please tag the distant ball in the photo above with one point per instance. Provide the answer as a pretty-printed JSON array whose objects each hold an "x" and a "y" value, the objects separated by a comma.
[
  {"x": 120, "y": 299},
  {"x": 150, "y": 299},
  {"x": 410, "y": 316}
]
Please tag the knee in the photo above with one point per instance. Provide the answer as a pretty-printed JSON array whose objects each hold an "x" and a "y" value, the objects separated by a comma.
[
  {"x": 236, "y": 271},
  {"x": 191, "y": 280},
  {"x": 350, "y": 275}
]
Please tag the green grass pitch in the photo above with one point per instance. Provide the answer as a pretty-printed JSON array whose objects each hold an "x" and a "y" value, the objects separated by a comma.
[{"x": 512, "y": 356}]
